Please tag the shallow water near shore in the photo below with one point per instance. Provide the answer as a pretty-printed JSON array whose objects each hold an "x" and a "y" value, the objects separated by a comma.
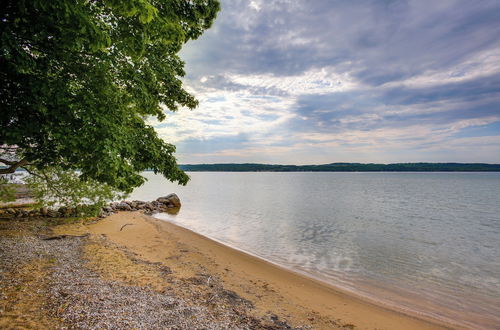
[{"x": 422, "y": 242}]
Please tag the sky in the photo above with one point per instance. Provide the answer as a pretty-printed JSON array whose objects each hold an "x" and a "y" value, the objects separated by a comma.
[{"x": 323, "y": 81}]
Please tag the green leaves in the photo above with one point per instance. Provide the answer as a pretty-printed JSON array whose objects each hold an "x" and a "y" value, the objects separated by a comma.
[
  {"x": 7, "y": 191},
  {"x": 54, "y": 186},
  {"x": 79, "y": 77},
  {"x": 140, "y": 8}
]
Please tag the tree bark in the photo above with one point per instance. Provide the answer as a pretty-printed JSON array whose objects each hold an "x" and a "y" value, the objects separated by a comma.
[{"x": 13, "y": 165}]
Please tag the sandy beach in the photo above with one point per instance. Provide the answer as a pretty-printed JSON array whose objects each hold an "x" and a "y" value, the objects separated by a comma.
[
  {"x": 131, "y": 270},
  {"x": 272, "y": 290}
]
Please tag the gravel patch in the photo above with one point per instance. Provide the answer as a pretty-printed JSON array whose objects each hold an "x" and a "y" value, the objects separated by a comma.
[{"x": 81, "y": 299}]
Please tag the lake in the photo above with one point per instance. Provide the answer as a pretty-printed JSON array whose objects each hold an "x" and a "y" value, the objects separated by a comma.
[{"x": 422, "y": 242}]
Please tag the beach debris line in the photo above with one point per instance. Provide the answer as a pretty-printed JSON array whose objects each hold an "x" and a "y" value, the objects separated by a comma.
[
  {"x": 49, "y": 238},
  {"x": 169, "y": 203}
]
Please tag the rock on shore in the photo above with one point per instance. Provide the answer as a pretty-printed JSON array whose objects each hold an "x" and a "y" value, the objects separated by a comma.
[{"x": 169, "y": 203}]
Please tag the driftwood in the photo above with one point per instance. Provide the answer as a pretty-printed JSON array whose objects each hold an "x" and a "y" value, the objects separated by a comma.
[
  {"x": 48, "y": 238},
  {"x": 127, "y": 224}
]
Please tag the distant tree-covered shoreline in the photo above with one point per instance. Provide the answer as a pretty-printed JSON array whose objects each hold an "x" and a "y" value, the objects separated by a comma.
[{"x": 344, "y": 167}]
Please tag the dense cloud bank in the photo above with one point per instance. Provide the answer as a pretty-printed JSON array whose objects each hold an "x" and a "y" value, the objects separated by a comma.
[{"x": 322, "y": 81}]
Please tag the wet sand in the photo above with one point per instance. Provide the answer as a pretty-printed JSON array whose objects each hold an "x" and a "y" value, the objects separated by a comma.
[{"x": 273, "y": 290}]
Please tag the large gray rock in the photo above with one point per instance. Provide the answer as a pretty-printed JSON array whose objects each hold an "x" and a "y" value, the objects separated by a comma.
[
  {"x": 107, "y": 209},
  {"x": 44, "y": 211},
  {"x": 53, "y": 213},
  {"x": 66, "y": 212},
  {"x": 123, "y": 207},
  {"x": 171, "y": 200}
]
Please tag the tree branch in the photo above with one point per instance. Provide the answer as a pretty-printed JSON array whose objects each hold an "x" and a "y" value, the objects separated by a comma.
[
  {"x": 13, "y": 165},
  {"x": 7, "y": 162},
  {"x": 36, "y": 174},
  {"x": 48, "y": 181}
]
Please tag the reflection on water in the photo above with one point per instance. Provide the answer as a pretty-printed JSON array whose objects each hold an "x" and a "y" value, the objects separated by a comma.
[{"x": 427, "y": 241}]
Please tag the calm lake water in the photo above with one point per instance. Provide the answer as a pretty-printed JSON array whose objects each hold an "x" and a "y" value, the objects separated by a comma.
[{"x": 425, "y": 242}]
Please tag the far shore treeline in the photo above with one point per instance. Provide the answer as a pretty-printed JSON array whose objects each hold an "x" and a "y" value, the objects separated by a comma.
[
  {"x": 342, "y": 167},
  {"x": 345, "y": 167}
]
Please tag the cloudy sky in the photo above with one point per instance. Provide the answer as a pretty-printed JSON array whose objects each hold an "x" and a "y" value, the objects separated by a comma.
[{"x": 322, "y": 81}]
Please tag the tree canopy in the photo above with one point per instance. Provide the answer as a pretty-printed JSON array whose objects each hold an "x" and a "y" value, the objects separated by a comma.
[{"x": 80, "y": 77}]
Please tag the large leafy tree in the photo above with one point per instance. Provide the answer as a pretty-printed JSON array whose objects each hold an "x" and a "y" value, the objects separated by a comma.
[{"x": 79, "y": 78}]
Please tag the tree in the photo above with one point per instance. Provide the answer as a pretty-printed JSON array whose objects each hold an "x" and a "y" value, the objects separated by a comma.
[
  {"x": 7, "y": 191},
  {"x": 54, "y": 186},
  {"x": 80, "y": 77}
]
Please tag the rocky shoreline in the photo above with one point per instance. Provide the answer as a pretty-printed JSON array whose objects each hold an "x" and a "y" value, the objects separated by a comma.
[{"x": 169, "y": 203}]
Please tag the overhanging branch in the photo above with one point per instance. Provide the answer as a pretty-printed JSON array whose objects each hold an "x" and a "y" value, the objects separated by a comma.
[
  {"x": 8, "y": 162},
  {"x": 13, "y": 165}
]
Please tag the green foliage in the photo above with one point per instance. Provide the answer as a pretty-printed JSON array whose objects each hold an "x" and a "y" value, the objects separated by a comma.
[
  {"x": 56, "y": 187},
  {"x": 7, "y": 191},
  {"x": 79, "y": 78}
]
